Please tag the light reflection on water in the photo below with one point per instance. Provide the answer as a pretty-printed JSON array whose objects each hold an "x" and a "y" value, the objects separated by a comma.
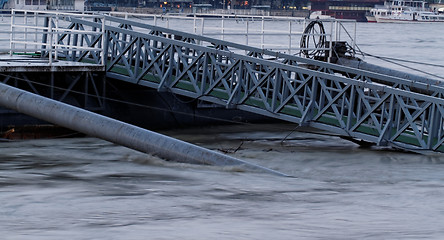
[{"x": 85, "y": 188}]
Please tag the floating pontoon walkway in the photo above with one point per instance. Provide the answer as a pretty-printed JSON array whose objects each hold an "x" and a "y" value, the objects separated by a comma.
[{"x": 372, "y": 107}]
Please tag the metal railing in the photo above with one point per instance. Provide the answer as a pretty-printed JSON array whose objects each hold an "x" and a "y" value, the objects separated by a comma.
[
  {"x": 275, "y": 33},
  {"x": 5, "y": 32},
  {"x": 23, "y": 30},
  {"x": 49, "y": 33}
]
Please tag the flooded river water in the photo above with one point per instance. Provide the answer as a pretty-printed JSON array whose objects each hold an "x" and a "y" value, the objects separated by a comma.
[{"x": 86, "y": 188}]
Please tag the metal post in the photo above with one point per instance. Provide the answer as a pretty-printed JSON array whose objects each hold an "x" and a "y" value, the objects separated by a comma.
[
  {"x": 50, "y": 40},
  {"x": 338, "y": 29},
  {"x": 354, "y": 38},
  {"x": 246, "y": 32},
  {"x": 11, "y": 36},
  {"x": 103, "y": 42},
  {"x": 330, "y": 51},
  {"x": 223, "y": 28},
  {"x": 199, "y": 42},
  {"x": 194, "y": 24},
  {"x": 262, "y": 31},
  {"x": 202, "y": 27},
  {"x": 25, "y": 20},
  {"x": 56, "y": 44},
  {"x": 75, "y": 41},
  {"x": 289, "y": 37},
  {"x": 36, "y": 21},
  {"x": 45, "y": 34}
]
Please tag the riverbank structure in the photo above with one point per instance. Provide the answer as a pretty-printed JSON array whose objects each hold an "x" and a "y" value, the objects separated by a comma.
[{"x": 67, "y": 5}]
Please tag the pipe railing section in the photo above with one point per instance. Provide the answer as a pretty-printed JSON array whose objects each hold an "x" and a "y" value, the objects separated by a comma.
[
  {"x": 53, "y": 35},
  {"x": 282, "y": 34},
  {"x": 26, "y": 27}
]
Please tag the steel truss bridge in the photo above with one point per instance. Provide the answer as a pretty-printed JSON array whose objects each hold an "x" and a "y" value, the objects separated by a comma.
[{"x": 376, "y": 108}]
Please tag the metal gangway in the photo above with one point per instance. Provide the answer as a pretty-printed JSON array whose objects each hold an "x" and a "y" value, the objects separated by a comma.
[{"x": 356, "y": 104}]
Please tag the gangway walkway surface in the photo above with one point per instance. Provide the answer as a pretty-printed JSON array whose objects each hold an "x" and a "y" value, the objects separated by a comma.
[{"x": 384, "y": 110}]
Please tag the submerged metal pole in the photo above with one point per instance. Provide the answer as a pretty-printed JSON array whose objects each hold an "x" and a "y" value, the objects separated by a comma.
[{"x": 109, "y": 129}]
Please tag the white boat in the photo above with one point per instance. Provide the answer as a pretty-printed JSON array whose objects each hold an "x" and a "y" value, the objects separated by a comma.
[
  {"x": 377, "y": 11},
  {"x": 405, "y": 11}
]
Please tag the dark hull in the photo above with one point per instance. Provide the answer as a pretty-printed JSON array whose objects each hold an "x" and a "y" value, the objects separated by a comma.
[{"x": 346, "y": 9}]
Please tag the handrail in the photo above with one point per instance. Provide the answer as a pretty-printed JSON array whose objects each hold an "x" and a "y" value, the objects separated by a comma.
[
  {"x": 242, "y": 26},
  {"x": 45, "y": 31},
  {"x": 33, "y": 28}
]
